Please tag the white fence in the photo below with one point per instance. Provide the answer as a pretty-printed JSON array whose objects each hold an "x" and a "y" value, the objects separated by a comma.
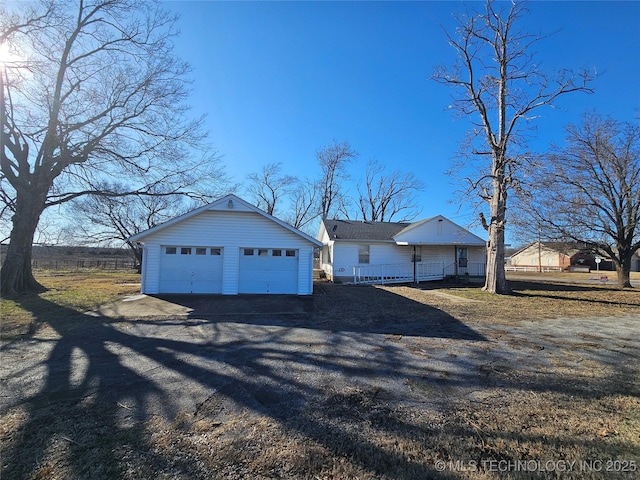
[
  {"x": 404, "y": 272},
  {"x": 533, "y": 268}
]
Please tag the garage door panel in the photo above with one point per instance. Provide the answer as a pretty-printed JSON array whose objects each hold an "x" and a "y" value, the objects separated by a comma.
[
  {"x": 268, "y": 271},
  {"x": 191, "y": 270}
]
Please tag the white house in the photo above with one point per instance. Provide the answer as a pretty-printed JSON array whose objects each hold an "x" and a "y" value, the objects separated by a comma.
[
  {"x": 228, "y": 247},
  {"x": 385, "y": 252}
]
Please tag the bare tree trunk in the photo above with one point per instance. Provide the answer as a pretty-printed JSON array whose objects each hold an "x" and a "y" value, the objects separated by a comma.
[
  {"x": 17, "y": 276},
  {"x": 623, "y": 270},
  {"x": 496, "y": 281}
]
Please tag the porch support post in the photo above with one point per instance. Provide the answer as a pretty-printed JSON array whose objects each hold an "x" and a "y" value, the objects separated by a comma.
[
  {"x": 415, "y": 273},
  {"x": 455, "y": 262}
]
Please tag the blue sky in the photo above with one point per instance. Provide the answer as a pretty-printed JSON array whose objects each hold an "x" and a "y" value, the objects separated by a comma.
[{"x": 279, "y": 80}]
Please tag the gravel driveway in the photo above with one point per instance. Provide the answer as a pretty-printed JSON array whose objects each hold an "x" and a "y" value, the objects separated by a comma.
[
  {"x": 148, "y": 357},
  {"x": 158, "y": 356}
]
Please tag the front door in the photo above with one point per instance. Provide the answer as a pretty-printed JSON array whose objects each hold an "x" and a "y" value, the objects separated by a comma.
[{"x": 462, "y": 260}]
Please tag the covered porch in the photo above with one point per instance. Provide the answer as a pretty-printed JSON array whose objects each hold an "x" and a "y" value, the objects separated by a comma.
[{"x": 418, "y": 270}]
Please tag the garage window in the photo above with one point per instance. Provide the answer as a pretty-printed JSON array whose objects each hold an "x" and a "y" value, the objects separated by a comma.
[
  {"x": 247, "y": 252},
  {"x": 276, "y": 253},
  {"x": 215, "y": 251},
  {"x": 185, "y": 251},
  {"x": 291, "y": 253},
  {"x": 171, "y": 250},
  {"x": 263, "y": 252},
  {"x": 201, "y": 251}
]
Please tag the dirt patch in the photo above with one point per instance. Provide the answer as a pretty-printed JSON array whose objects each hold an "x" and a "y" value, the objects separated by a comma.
[{"x": 354, "y": 382}]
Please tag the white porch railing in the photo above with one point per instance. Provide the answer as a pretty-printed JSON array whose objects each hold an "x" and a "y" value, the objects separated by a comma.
[
  {"x": 397, "y": 273},
  {"x": 404, "y": 273},
  {"x": 473, "y": 269},
  {"x": 328, "y": 269}
]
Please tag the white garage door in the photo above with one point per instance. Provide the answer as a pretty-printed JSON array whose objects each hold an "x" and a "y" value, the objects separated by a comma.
[
  {"x": 268, "y": 270},
  {"x": 191, "y": 269}
]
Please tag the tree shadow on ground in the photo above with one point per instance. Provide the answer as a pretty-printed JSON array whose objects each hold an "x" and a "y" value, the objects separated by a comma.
[
  {"x": 357, "y": 309},
  {"x": 95, "y": 382}
]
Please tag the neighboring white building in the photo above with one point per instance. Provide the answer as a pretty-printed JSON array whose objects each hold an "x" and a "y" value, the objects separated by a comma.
[
  {"x": 385, "y": 252},
  {"x": 228, "y": 247},
  {"x": 547, "y": 256}
]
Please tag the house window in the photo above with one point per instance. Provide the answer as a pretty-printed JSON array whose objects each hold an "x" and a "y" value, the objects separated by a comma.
[
  {"x": 171, "y": 250},
  {"x": 185, "y": 251},
  {"x": 215, "y": 251},
  {"x": 263, "y": 252},
  {"x": 201, "y": 251},
  {"x": 462, "y": 257},
  {"x": 248, "y": 252},
  {"x": 363, "y": 253},
  {"x": 417, "y": 254},
  {"x": 276, "y": 253},
  {"x": 290, "y": 253}
]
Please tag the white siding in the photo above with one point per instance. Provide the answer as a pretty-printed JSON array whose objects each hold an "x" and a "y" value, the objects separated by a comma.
[
  {"x": 305, "y": 265},
  {"x": 231, "y": 230},
  {"x": 438, "y": 231},
  {"x": 477, "y": 255},
  {"x": 345, "y": 256},
  {"x": 439, "y": 253},
  {"x": 151, "y": 269},
  {"x": 533, "y": 257}
]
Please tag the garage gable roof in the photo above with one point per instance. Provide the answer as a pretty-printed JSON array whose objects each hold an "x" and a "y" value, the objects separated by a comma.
[{"x": 227, "y": 203}]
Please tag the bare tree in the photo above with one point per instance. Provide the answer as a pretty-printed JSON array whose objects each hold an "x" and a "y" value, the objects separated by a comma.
[
  {"x": 497, "y": 81},
  {"x": 387, "y": 196},
  {"x": 333, "y": 160},
  {"x": 303, "y": 204},
  {"x": 103, "y": 97},
  {"x": 589, "y": 190},
  {"x": 268, "y": 186},
  {"x": 105, "y": 220}
]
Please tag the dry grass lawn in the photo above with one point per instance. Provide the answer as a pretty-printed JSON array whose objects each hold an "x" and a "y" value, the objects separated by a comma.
[
  {"x": 575, "y": 416},
  {"x": 80, "y": 291}
]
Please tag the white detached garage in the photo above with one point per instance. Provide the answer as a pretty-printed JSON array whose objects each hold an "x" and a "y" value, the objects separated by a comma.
[{"x": 228, "y": 247}]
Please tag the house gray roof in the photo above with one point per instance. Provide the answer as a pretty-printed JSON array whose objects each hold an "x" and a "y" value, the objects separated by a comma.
[{"x": 353, "y": 230}]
